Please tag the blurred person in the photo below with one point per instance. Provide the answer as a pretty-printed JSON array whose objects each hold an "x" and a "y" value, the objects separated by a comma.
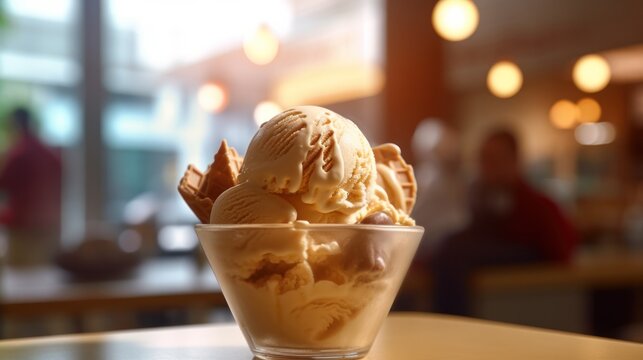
[
  {"x": 510, "y": 223},
  {"x": 441, "y": 206},
  {"x": 30, "y": 179}
]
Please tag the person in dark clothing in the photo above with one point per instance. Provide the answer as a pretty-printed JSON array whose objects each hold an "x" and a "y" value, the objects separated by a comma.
[
  {"x": 510, "y": 223},
  {"x": 30, "y": 179}
]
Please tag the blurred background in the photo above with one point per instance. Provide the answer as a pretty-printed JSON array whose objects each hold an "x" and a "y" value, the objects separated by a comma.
[{"x": 103, "y": 103}]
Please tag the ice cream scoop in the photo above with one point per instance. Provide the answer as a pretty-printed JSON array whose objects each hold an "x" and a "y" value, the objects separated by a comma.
[
  {"x": 316, "y": 159},
  {"x": 249, "y": 204}
]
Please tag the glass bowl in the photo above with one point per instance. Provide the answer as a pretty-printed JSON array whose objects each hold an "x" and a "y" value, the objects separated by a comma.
[{"x": 309, "y": 291}]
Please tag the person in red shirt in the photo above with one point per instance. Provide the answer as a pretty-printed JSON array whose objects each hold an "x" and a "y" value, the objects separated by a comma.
[
  {"x": 30, "y": 180},
  {"x": 510, "y": 223}
]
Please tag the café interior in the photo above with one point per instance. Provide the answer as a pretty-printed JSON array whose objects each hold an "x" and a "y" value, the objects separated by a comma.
[{"x": 124, "y": 94}]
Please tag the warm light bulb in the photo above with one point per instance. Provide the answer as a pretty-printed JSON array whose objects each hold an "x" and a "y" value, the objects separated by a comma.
[
  {"x": 455, "y": 20},
  {"x": 261, "y": 46},
  {"x": 504, "y": 79},
  {"x": 563, "y": 114},
  {"x": 591, "y": 73},
  {"x": 265, "y": 111},
  {"x": 212, "y": 97},
  {"x": 589, "y": 110}
]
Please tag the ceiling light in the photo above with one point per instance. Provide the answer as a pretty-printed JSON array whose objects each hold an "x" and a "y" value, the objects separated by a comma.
[
  {"x": 591, "y": 73},
  {"x": 588, "y": 110},
  {"x": 563, "y": 114},
  {"x": 455, "y": 20},
  {"x": 504, "y": 79},
  {"x": 212, "y": 97},
  {"x": 261, "y": 46}
]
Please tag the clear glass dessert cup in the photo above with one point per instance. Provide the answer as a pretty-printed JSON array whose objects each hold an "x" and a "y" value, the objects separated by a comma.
[{"x": 309, "y": 291}]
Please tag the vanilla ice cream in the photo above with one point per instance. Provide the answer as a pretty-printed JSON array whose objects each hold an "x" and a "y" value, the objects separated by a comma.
[
  {"x": 314, "y": 158},
  {"x": 320, "y": 163},
  {"x": 294, "y": 287}
]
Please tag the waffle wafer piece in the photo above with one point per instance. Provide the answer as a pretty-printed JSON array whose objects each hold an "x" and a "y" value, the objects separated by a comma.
[
  {"x": 200, "y": 190},
  {"x": 189, "y": 189},
  {"x": 222, "y": 173},
  {"x": 395, "y": 176}
]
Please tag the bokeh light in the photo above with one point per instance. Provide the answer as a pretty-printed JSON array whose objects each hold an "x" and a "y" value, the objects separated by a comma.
[
  {"x": 212, "y": 97},
  {"x": 130, "y": 241},
  {"x": 504, "y": 79},
  {"x": 588, "y": 110},
  {"x": 595, "y": 133},
  {"x": 265, "y": 111},
  {"x": 591, "y": 73},
  {"x": 564, "y": 114},
  {"x": 455, "y": 20},
  {"x": 261, "y": 45},
  {"x": 328, "y": 84},
  {"x": 177, "y": 238}
]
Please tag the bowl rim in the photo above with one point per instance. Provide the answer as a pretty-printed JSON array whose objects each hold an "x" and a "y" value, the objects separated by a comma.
[{"x": 308, "y": 226}]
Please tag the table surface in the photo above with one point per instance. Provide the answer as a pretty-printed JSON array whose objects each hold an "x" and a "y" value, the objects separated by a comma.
[
  {"x": 404, "y": 336},
  {"x": 593, "y": 270},
  {"x": 155, "y": 283}
]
